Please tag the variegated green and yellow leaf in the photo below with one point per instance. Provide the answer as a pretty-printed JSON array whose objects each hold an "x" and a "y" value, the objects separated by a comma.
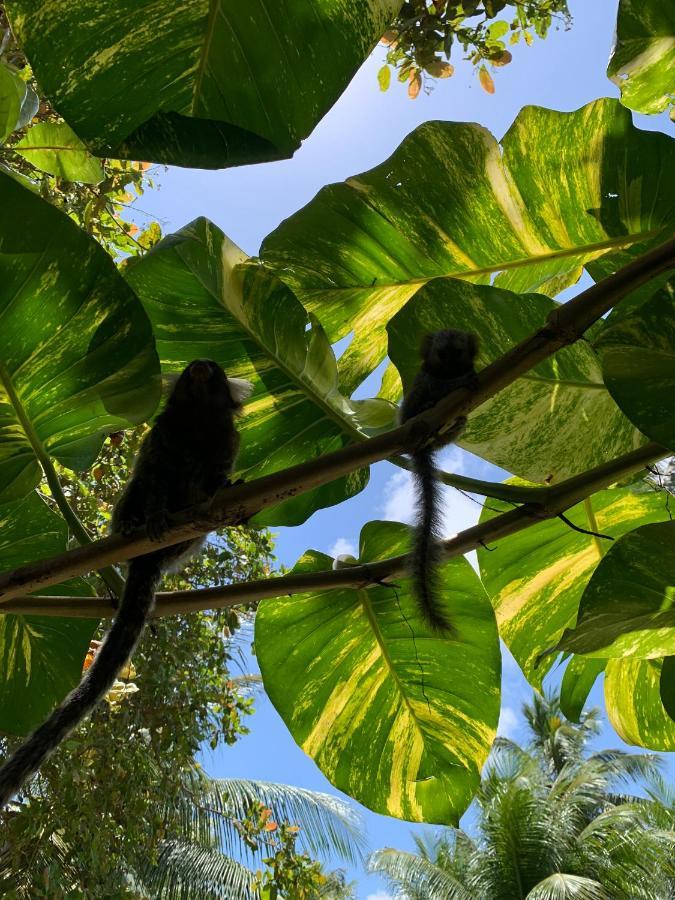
[
  {"x": 628, "y": 606},
  {"x": 77, "y": 355},
  {"x": 638, "y": 365},
  {"x": 577, "y": 682},
  {"x": 642, "y": 63},
  {"x": 205, "y": 299},
  {"x": 41, "y": 657},
  {"x": 634, "y": 704},
  {"x": 396, "y": 716},
  {"x": 536, "y": 578},
  {"x": 543, "y": 427},
  {"x": 560, "y": 191},
  {"x": 196, "y": 83}
]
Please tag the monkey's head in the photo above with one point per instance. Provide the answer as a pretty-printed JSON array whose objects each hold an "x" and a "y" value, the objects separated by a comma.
[
  {"x": 449, "y": 353},
  {"x": 204, "y": 383}
]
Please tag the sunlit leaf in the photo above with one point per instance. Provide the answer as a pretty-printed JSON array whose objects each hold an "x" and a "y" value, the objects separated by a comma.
[
  {"x": 451, "y": 202},
  {"x": 77, "y": 355},
  {"x": 643, "y": 59},
  {"x": 634, "y": 704},
  {"x": 396, "y": 716},
  {"x": 536, "y": 578},
  {"x": 55, "y": 148},
  {"x": 628, "y": 606}
]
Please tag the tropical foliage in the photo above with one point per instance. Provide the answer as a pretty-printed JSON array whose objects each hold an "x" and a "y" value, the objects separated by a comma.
[
  {"x": 551, "y": 822},
  {"x": 456, "y": 228}
]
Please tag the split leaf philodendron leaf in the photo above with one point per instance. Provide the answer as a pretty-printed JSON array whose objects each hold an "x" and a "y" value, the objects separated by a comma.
[
  {"x": 41, "y": 657},
  {"x": 543, "y": 427},
  {"x": 638, "y": 365},
  {"x": 197, "y": 84},
  {"x": 12, "y": 93},
  {"x": 634, "y": 704},
  {"x": 642, "y": 63},
  {"x": 628, "y": 606},
  {"x": 578, "y": 679},
  {"x": 204, "y": 298},
  {"x": 55, "y": 148},
  {"x": 451, "y": 201},
  {"x": 396, "y": 716},
  {"x": 77, "y": 356},
  {"x": 536, "y": 578}
]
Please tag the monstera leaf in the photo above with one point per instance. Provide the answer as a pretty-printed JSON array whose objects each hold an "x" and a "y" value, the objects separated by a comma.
[
  {"x": 628, "y": 606},
  {"x": 549, "y": 198},
  {"x": 544, "y": 427},
  {"x": 77, "y": 357},
  {"x": 536, "y": 578},
  {"x": 638, "y": 365},
  {"x": 396, "y": 716},
  {"x": 207, "y": 84},
  {"x": 40, "y": 657},
  {"x": 634, "y": 704},
  {"x": 643, "y": 59},
  {"x": 204, "y": 299}
]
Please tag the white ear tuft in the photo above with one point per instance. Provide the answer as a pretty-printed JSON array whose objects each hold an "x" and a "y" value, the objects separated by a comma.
[{"x": 240, "y": 389}]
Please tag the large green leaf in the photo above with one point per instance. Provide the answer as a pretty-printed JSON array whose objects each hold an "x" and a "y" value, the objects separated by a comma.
[
  {"x": 638, "y": 365},
  {"x": 643, "y": 59},
  {"x": 202, "y": 83},
  {"x": 77, "y": 356},
  {"x": 634, "y": 706},
  {"x": 563, "y": 189},
  {"x": 536, "y": 578},
  {"x": 396, "y": 716},
  {"x": 544, "y": 427},
  {"x": 12, "y": 93},
  {"x": 628, "y": 607},
  {"x": 580, "y": 675},
  {"x": 55, "y": 148},
  {"x": 41, "y": 657},
  {"x": 203, "y": 298}
]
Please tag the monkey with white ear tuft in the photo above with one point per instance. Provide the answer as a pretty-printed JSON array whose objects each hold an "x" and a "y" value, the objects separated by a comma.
[{"x": 186, "y": 457}]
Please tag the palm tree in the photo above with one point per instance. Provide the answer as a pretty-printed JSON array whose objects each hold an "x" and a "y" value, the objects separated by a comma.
[
  {"x": 210, "y": 853},
  {"x": 552, "y": 823}
]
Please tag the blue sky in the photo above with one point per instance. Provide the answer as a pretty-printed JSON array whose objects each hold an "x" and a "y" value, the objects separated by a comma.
[{"x": 563, "y": 72}]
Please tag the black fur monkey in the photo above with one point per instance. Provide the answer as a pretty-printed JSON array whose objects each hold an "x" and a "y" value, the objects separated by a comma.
[
  {"x": 187, "y": 456},
  {"x": 447, "y": 364}
]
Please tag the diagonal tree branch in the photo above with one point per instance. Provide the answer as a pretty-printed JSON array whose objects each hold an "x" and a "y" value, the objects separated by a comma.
[
  {"x": 236, "y": 505},
  {"x": 558, "y": 499}
]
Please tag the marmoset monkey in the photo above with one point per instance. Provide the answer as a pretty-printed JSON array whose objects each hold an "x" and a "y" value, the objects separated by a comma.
[
  {"x": 447, "y": 364},
  {"x": 187, "y": 456}
]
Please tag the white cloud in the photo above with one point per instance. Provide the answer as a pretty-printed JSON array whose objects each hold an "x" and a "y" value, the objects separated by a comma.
[
  {"x": 342, "y": 547},
  {"x": 380, "y": 895},
  {"x": 508, "y": 723}
]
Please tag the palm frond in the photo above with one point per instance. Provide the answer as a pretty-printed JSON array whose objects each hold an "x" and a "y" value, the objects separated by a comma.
[
  {"x": 187, "y": 871},
  {"x": 561, "y": 886},
  {"x": 329, "y": 825},
  {"x": 411, "y": 876}
]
